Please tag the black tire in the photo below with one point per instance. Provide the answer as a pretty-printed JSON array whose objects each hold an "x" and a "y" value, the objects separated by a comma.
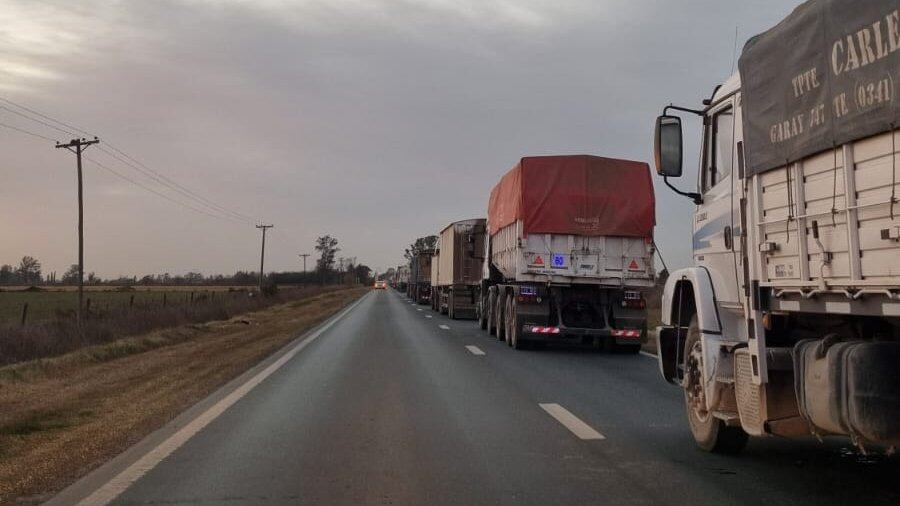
[
  {"x": 499, "y": 316},
  {"x": 492, "y": 312},
  {"x": 513, "y": 329},
  {"x": 482, "y": 314},
  {"x": 710, "y": 433},
  {"x": 450, "y": 312}
]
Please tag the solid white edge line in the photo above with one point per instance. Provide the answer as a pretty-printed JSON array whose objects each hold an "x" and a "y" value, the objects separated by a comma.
[
  {"x": 474, "y": 350},
  {"x": 121, "y": 482},
  {"x": 571, "y": 422},
  {"x": 648, "y": 354}
]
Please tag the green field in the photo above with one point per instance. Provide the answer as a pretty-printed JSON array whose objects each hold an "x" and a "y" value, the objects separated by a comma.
[{"x": 46, "y": 305}]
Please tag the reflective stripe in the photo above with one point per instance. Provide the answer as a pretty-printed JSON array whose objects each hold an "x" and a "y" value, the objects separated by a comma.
[
  {"x": 545, "y": 330},
  {"x": 625, "y": 333}
]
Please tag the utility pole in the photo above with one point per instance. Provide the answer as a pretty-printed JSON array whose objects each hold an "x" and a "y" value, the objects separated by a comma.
[
  {"x": 78, "y": 146},
  {"x": 304, "y": 255},
  {"x": 262, "y": 255}
]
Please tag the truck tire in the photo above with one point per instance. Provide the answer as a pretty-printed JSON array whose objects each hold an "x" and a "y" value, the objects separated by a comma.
[
  {"x": 492, "y": 311},
  {"x": 513, "y": 330},
  {"x": 499, "y": 315},
  {"x": 481, "y": 313},
  {"x": 450, "y": 312},
  {"x": 710, "y": 433}
]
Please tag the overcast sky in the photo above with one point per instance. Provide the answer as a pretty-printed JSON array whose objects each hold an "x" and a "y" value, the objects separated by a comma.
[{"x": 375, "y": 121}]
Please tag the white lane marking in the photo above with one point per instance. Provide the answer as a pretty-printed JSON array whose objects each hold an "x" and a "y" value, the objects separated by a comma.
[
  {"x": 571, "y": 422},
  {"x": 444, "y": 327},
  {"x": 428, "y": 316},
  {"x": 418, "y": 309},
  {"x": 475, "y": 350},
  {"x": 113, "y": 488},
  {"x": 648, "y": 354}
]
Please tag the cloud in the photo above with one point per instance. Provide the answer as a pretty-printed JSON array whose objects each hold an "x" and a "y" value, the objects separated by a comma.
[{"x": 375, "y": 121}]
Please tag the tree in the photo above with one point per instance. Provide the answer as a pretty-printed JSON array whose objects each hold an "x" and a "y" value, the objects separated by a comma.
[
  {"x": 29, "y": 270},
  {"x": 327, "y": 247},
  {"x": 422, "y": 245},
  {"x": 7, "y": 275},
  {"x": 70, "y": 277}
]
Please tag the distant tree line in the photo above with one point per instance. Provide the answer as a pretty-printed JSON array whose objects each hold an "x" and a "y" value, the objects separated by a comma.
[{"x": 330, "y": 269}]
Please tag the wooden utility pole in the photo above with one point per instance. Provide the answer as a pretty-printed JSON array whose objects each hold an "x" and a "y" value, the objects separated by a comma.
[
  {"x": 304, "y": 255},
  {"x": 262, "y": 254},
  {"x": 78, "y": 146}
]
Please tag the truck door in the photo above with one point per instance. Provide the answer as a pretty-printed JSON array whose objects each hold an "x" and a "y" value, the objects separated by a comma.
[{"x": 713, "y": 236}]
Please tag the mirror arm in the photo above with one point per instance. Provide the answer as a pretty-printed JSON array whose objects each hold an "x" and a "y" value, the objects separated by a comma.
[
  {"x": 696, "y": 197},
  {"x": 698, "y": 112}
]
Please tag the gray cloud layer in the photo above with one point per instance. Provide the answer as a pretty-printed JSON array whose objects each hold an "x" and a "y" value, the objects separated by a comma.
[{"x": 375, "y": 121}]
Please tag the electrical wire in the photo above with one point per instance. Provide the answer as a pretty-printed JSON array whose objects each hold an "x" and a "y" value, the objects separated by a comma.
[
  {"x": 28, "y": 132},
  {"x": 124, "y": 158},
  {"x": 151, "y": 190}
]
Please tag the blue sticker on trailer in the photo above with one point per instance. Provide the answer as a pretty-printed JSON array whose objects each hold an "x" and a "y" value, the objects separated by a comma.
[{"x": 559, "y": 261}]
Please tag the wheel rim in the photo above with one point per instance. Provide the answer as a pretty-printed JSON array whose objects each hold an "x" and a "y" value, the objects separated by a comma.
[{"x": 694, "y": 392}]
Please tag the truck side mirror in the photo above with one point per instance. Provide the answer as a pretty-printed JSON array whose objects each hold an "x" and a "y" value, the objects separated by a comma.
[{"x": 667, "y": 146}]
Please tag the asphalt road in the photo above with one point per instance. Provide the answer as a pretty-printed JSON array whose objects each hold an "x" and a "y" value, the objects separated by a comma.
[{"x": 391, "y": 406}]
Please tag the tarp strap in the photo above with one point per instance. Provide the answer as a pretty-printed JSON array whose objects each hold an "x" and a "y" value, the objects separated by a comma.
[
  {"x": 834, "y": 183},
  {"x": 893, "y": 170}
]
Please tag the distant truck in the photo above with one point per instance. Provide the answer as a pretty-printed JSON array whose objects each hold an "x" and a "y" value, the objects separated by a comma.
[
  {"x": 456, "y": 269},
  {"x": 419, "y": 287},
  {"x": 402, "y": 278},
  {"x": 788, "y": 324},
  {"x": 568, "y": 252}
]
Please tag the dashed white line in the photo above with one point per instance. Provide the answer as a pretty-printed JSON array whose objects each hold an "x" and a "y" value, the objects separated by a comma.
[
  {"x": 571, "y": 422},
  {"x": 418, "y": 309},
  {"x": 474, "y": 350},
  {"x": 444, "y": 327},
  {"x": 428, "y": 316}
]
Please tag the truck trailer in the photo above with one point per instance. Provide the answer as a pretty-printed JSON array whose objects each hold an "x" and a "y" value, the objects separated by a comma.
[
  {"x": 456, "y": 269},
  {"x": 419, "y": 288},
  {"x": 568, "y": 253},
  {"x": 788, "y": 323}
]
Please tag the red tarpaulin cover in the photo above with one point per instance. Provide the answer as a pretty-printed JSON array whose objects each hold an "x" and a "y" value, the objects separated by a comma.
[{"x": 578, "y": 194}]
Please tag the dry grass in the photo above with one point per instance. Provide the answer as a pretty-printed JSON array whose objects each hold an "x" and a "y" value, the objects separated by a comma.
[
  {"x": 62, "y": 417},
  {"x": 62, "y": 334}
]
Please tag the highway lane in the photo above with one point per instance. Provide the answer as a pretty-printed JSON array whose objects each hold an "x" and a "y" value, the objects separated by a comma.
[{"x": 389, "y": 406}]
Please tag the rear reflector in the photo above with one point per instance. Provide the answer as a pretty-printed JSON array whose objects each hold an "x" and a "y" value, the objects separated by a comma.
[
  {"x": 625, "y": 333},
  {"x": 545, "y": 330}
]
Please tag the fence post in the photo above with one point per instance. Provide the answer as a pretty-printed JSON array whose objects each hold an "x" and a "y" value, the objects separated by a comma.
[
  {"x": 87, "y": 308},
  {"x": 24, "y": 313},
  {"x": 164, "y": 299},
  {"x": 192, "y": 297},
  {"x": 131, "y": 302}
]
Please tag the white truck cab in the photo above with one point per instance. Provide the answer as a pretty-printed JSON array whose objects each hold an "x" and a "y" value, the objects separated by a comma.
[{"x": 788, "y": 323}]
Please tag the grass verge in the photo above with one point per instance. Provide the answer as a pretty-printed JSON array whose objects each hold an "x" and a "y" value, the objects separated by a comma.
[{"x": 62, "y": 417}]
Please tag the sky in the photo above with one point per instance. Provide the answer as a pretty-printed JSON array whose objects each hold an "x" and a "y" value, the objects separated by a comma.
[{"x": 375, "y": 121}]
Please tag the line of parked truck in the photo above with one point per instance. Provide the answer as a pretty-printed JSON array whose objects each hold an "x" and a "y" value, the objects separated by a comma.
[{"x": 788, "y": 323}]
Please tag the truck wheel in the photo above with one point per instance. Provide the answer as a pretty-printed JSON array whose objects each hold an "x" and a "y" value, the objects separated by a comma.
[
  {"x": 710, "y": 433},
  {"x": 492, "y": 311},
  {"x": 450, "y": 312},
  {"x": 499, "y": 316},
  {"x": 482, "y": 314},
  {"x": 513, "y": 330}
]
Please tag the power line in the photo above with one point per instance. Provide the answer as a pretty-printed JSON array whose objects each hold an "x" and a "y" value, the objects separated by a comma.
[
  {"x": 162, "y": 180},
  {"x": 151, "y": 190},
  {"x": 28, "y": 132},
  {"x": 32, "y": 111},
  {"x": 124, "y": 158},
  {"x": 67, "y": 132},
  {"x": 208, "y": 202}
]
